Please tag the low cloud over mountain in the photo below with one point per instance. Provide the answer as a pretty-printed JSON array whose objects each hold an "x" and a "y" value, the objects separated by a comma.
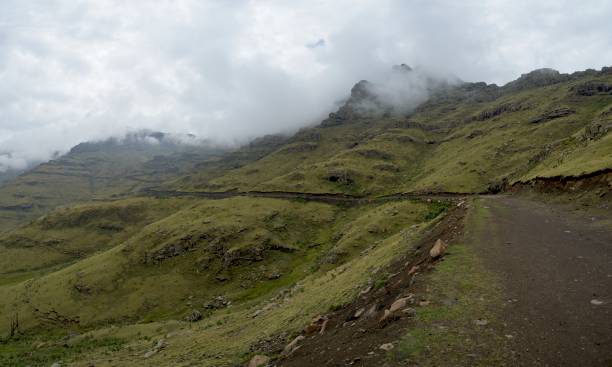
[{"x": 230, "y": 71}]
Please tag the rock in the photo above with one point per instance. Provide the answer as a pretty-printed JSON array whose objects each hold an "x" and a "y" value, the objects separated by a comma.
[
  {"x": 161, "y": 344},
  {"x": 481, "y": 322},
  {"x": 315, "y": 325},
  {"x": 216, "y": 303},
  {"x": 388, "y": 317},
  {"x": 387, "y": 347},
  {"x": 399, "y": 304},
  {"x": 323, "y": 327},
  {"x": 592, "y": 88},
  {"x": 413, "y": 269},
  {"x": 291, "y": 347},
  {"x": 596, "y": 302},
  {"x": 359, "y": 313},
  {"x": 370, "y": 312},
  {"x": 56, "y": 364},
  {"x": 553, "y": 114},
  {"x": 194, "y": 316},
  {"x": 258, "y": 361},
  {"x": 410, "y": 312},
  {"x": 341, "y": 176},
  {"x": 438, "y": 249},
  {"x": 148, "y": 354}
]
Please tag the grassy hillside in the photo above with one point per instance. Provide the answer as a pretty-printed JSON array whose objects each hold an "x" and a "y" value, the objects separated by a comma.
[
  {"x": 112, "y": 168},
  {"x": 224, "y": 257}
]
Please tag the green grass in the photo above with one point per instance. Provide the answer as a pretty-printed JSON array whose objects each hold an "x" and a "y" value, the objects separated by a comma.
[
  {"x": 142, "y": 300},
  {"x": 44, "y": 348}
]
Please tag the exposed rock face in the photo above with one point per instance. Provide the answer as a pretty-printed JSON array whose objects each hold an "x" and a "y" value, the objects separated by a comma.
[
  {"x": 551, "y": 115},
  {"x": 374, "y": 154},
  {"x": 596, "y": 130},
  {"x": 536, "y": 78},
  {"x": 361, "y": 101},
  {"x": 300, "y": 148},
  {"x": 506, "y": 107},
  {"x": 592, "y": 88}
]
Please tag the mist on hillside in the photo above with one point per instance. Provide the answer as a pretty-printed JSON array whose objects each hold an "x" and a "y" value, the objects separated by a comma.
[{"x": 229, "y": 72}]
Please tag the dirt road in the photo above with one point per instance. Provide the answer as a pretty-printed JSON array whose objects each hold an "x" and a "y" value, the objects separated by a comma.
[{"x": 555, "y": 268}]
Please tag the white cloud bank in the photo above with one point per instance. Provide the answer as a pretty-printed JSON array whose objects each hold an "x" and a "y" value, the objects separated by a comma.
[{"x": 230, "y": 70}]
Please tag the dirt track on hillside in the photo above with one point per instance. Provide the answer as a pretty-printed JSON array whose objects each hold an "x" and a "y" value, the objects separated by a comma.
[
  {"x": 330, "y": 198},
  {"x": 556, "y": 271}
]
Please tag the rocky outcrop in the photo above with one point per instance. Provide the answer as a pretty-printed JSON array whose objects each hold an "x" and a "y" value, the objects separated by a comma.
[
  {"x": 506, "y": 107},
  {"x": 300, "y": 148},
  {"x": 194, "y": 316},
  {"x": 592, "y": 88},
  {"x": 553, "y": 114},
  {"x": 596, "y": 130},
  {"x": 217, "y": 303},
  {"x": 374, "y": 154},
  {"x": 341, "y": 176},
  {"x": 537, "y": 78}
]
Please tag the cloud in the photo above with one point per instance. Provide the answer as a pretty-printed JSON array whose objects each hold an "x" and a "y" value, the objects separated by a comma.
[
  {"x": 229, "y": 71},
  {"x": 319, "y": 43}
]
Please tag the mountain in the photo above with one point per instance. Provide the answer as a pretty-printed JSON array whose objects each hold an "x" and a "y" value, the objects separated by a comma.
[
  {"x": 99, "y": 170},
  {"x": 150, "y": 250},
  {"x": 468, "y": 137}
]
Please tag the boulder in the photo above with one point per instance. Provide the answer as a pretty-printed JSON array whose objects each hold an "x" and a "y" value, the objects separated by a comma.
[
  {"x": 293, "y": 346},
  {"x": 399, "y": 304},
  {"x": 315, "y": 325},
  {"x": 438, "y": 249},
  {"x": 323, "y": 327},
  {"x": 358, "y": 313},
  {"x": 194, "y": 316},
  {"x": 161, "y": 344},
  {"x": 258, "y": 361}
]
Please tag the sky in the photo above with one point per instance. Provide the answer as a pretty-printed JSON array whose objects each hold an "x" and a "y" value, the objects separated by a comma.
[{"x": 72, "y": 71}]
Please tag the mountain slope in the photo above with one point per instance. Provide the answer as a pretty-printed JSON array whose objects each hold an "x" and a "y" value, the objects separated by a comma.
[
  {"x": 467, "y": 138},
  {"x": 99, "y": 170}
]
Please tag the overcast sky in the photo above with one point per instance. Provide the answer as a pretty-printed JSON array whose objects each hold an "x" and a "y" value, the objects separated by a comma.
[{"x": 77, "y": 70}]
